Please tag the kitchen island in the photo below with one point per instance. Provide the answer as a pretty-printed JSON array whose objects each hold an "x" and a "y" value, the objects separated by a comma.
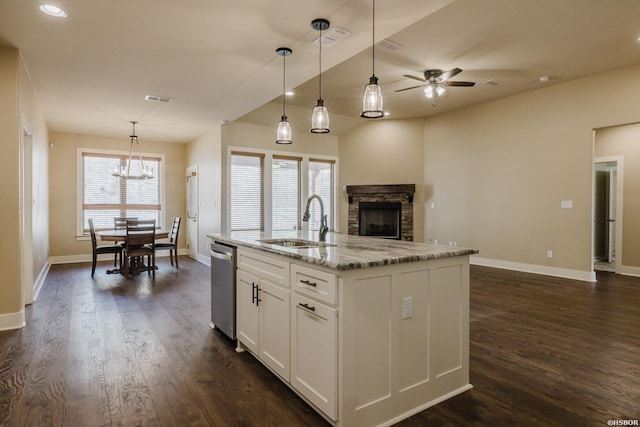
[{"x": 368, "y": 331}]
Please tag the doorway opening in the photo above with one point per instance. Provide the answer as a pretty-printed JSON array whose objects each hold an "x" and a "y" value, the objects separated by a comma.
[
  {"x": 26, "y": 218},
  {"x": 607, "y": 211},
  {"x": 192, "y": 211}
]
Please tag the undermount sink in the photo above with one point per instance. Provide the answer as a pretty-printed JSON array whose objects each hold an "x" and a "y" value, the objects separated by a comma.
[{"x": 296, "y": 243}]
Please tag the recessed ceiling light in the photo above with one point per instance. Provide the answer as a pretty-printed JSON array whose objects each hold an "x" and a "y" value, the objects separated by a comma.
[
  {"x": 52, "y": 10},
  {"x": 289, "y": 93}
]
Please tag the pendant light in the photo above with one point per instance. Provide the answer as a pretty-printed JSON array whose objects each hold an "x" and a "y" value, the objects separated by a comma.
[
  {"x": 125, "y": 172},
  {"x": 372, "y": 99},
  {"x": 283, "y": 133},
  {"x": 320, "y": 115}
]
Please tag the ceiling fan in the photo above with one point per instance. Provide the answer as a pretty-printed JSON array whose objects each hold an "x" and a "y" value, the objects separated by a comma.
[{"x": 435, "y": 82}]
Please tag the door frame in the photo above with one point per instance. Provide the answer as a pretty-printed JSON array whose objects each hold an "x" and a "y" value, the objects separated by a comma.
[
  {"x": 192, "y": 247},
  {"x": 619, "y": 160},
  {"x": 26, "y": 212}
]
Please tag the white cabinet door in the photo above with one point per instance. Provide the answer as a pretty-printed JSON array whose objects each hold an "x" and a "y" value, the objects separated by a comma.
[
  {"x": 273, "y": 302},
  {"x": 247, "y": 312},
  {"x": 314, "y": 352}
]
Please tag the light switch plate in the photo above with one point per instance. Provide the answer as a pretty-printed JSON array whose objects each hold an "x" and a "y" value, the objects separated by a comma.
[{"x": 566, "y": 204}]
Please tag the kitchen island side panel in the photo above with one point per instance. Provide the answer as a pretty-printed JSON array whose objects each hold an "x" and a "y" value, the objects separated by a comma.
[{"x": 391, "y": 363}]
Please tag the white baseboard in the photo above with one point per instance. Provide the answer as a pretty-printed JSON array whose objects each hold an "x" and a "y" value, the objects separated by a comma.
[
  {"x": 37, "y": 286},
  {"x": 206, "y": 260},
  {"x": 12, "y": 321},
  {"x": 70, "y": 259},
  {"x": 628, "y": 271},
  {"x": 587, "y": 276}
]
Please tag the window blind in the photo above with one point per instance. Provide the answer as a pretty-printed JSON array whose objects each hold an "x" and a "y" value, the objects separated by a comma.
[
  {"x": 246, "y": 191},
  {"x": 321, "y": 184},
  {"x": 285, "y": 193},
  {"x": 105, "y": 196}
]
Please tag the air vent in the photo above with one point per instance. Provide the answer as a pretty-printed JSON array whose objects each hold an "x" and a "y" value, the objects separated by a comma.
[
  {"x": 157, "y": 98},
  {"x": 333, "y": 36},
  {"x": 389, "y": 45}
]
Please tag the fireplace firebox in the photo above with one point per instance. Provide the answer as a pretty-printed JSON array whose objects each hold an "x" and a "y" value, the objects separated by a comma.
[
  {"x": 388, "y": 210},
  {"x": 380, "y": 219}
]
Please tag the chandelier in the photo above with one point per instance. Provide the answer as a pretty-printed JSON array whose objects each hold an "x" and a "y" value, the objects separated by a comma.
[{"x": 125, "y": 171}]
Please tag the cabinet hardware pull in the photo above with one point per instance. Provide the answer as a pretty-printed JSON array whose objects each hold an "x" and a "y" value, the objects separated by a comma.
[
  {"x": 306, "y": 282},
  {"x": 301, "y": 304}
]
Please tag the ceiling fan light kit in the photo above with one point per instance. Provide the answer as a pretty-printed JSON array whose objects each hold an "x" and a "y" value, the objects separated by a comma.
[
  {"x": 372, "y": 101},
  {"x": 320, "y": 115},
  {"x": 283, "y": 131},
  {"x": 433, "y": 91},
  {"x": 435, "y": 82}
]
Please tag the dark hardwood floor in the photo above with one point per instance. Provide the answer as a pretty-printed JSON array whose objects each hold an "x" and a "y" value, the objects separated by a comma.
[{"x": 115, "y": 351}]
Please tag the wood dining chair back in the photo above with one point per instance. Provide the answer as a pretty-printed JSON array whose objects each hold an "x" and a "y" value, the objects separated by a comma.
[
  {"x": 140, "y": 243},
  {"x": 97, "y": 250},
  {"x": 172, "y": 244},
  {"x": 120, "y": 222}
]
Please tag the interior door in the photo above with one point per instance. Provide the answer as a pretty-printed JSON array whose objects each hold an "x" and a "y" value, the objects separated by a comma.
[
  {"x": 611, "y": 214},
  {"x": 192, "y": 211},
  {"x": 605, "y": 211}
]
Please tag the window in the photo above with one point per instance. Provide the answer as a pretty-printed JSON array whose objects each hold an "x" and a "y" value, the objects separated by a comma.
[
  {"x": 285, "y": 192},
  {"x": 246, "y": 191},
  {"x": 268, "y": 190},
  {"x": 321, "y": 183},
  {"x": 104, "y": 196}
]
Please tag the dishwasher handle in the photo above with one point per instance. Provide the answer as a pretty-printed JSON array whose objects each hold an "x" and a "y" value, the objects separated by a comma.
[{"x": 220, "y": 255}]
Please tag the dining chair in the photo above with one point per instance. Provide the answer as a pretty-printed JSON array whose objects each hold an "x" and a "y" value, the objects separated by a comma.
[
  {"x": 172, "y": 244},
  {"x": 140, "y": 243},
  {"x": 120, "y": 222},
  {"x": 97, "y": 250}
]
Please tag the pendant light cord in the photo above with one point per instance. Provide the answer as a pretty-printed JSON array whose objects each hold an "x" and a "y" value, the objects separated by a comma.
[
  {"x": 373, "y": 41},
  {"x": 284, "y": 86},
  {"x": 320, "y": 65}
]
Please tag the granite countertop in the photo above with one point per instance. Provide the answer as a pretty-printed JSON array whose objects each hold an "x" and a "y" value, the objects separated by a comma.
[{"x": 342, "y": 251}]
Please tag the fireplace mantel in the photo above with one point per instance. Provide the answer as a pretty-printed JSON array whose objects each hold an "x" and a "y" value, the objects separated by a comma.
[{"x": 408, "y": 189}]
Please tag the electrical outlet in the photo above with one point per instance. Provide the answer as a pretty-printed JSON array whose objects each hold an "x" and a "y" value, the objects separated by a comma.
[
  {"x": 407, "y": 307},
  {"x": 549, "y": 253}
]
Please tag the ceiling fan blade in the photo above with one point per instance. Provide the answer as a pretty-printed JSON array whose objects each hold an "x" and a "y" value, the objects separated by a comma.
[
  {"x": 420, "y": 79},
  {"x": 408, "y": 88},
  {"x": 448, "y": 74},
  {"x": 467, "y": 84}
]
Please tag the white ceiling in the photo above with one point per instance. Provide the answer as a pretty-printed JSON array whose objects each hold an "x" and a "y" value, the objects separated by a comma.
[{"x": 217, "y": 60}]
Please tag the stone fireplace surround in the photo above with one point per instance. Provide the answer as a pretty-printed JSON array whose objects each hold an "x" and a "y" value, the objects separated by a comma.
[{"x": 402, "y": 193}]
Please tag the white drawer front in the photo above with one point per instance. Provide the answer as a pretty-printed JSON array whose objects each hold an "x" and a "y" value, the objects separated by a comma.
[
  {"x": 314, "y": 283},
  {"x": 274, "y": 270}
]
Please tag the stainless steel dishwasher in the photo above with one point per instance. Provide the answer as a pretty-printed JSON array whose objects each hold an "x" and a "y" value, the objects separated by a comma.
[{"x": 223, "y": 288}]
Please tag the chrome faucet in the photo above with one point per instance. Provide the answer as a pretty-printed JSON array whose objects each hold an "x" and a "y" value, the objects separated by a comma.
[{"x": 323, "y": 218}]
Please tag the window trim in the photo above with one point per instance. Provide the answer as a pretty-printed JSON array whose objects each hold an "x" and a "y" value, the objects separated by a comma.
[
  {"x": 269, "y": 155},
  {"x": 96, "y": 152}
]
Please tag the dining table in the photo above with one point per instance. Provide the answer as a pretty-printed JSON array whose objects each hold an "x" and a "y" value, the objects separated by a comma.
[{"x": 120, "y": 235}]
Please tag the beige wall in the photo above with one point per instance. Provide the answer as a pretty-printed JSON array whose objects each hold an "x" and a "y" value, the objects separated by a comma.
[
  {"x": 498, "y": 171},
  {"x": 10, "y": 258},
  {"x": 625, "y": 141},
  {"x": 62, "y": 186},
  {"x": 205, "y": 153},
  {"x": 19, "y": 107},
  {"x": 239, "y": 134},
  {"x": 384, "y": 152},
  {"x": 33, "y": 121}
]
